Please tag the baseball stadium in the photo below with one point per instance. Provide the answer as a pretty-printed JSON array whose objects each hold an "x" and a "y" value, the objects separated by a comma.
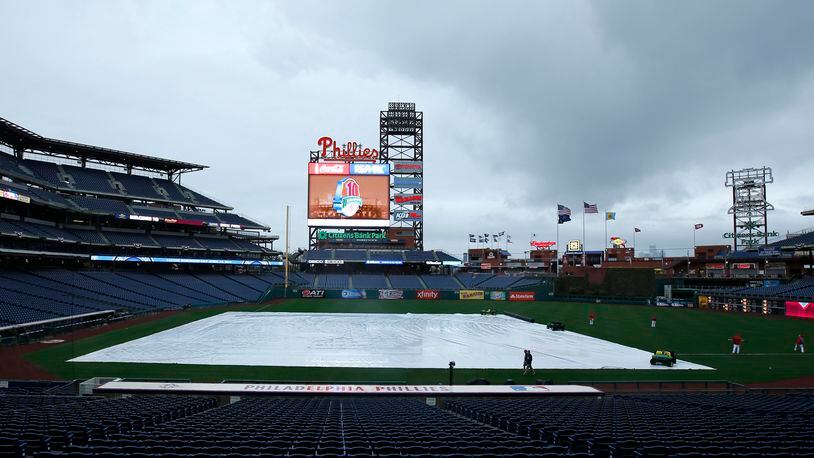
[{"x": 141, "y": 317}]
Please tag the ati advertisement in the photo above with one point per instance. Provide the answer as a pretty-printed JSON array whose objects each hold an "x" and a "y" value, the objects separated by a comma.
[
  {"x": 348, "y": 200},
  {"x": 469, "y": 294},
  {"x": 427, "y": 294},
  {"x": 521, "y": 296},
  {"x": 800, "y": 309},
  {"x": 313, "y": 293}
]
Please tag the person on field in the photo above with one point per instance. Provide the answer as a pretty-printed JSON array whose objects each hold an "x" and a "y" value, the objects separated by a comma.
[
  {"x": 591, "y": 318},
  {"x": 800, "y": 343},
  {"x": 653, "y": 321},
  {"x": 527, "y": 358},
  {"x": 736, "y": 344}
]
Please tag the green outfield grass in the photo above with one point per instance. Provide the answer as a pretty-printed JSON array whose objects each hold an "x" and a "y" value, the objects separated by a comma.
[{"x": 698, "y": 336}]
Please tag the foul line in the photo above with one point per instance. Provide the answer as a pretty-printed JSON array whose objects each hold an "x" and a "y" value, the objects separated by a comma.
[{"x": 743, "y": 354}]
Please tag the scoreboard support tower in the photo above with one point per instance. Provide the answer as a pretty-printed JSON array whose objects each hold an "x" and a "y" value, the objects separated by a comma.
[
  {"x": 749, "y": 206},
  {"x": 401, "y": 143}
]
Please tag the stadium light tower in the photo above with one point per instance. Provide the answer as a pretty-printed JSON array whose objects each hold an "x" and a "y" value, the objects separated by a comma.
[
  {"x": 749, "y": 206},
  {"x": 401, "y": 143}
]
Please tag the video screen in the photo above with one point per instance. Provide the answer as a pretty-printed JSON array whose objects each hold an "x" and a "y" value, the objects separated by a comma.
[{"x": 348, "y": 200}]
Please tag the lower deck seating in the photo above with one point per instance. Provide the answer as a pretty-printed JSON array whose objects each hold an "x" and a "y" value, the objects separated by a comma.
[
  {"x": 674, "y": 425},
  {"x": 656, "y": 425}
]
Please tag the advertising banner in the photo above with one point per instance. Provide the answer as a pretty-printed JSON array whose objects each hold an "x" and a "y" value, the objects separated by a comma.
[
  {"x": 354, "y": 294},
  {"x": 322, "y": 168},
  {"x": 403, "y": 199},
  {"x": 800, "y": 309},
  {"x": 352, "y": 236},
  {"x": 144, "y": 259},
  {"x": 521, "y": 296},
  {"x": 408, "y": 182},
  {"x": 348, "y": 200},
  {"x": 313, "y": 293},
  {"x": 370, "y": 169},
  {"x": 407, "y": 167},
  {"x": 427, "y": 294},
  {"x": 471, "y": 294},
  {"x": 391, "y": 294},
  {"x": 497, "y": 295},
  {"x": 408, "y": 215}
]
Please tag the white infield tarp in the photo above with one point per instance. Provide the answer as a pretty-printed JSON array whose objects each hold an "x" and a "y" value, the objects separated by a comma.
[{"x": 374, "y": 340}]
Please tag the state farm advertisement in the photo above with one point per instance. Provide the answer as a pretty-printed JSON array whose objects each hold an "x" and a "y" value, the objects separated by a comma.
[
  {"x": 348, "y": 200},
  {"x": 521, "y": 296},
  {"x": 427, "y": 294},
  {"x": 800, "y": 309}
]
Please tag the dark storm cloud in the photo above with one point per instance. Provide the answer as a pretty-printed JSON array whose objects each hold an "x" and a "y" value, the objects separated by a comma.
[{"x": 594, "y": 86}]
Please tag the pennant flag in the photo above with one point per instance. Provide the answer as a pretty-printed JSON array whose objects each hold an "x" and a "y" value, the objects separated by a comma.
[
  {"x": 486, "y": 236},
  {"x": 698, "y": 226},
  {"x": 636, "y": 229},
  {"x": 471, "y": 238},
  {"x": 534, "y": 235},
  {"x": 494, "y": 237},
  {"x": 501, "y": 233},
  {"x": 610, "y": 216},
  {"x": 589, "y": 208},
  {"x": 508, "y": 239},
  {"x": 480, "y": 239}
]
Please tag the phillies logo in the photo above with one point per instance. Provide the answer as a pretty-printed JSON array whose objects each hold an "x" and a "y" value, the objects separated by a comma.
[
  {"x": 350, "y": 151},
  {"x": 347, "y": 199}
]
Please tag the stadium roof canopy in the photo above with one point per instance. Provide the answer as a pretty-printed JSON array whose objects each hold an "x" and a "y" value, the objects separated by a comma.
[
  {"x": 22, "y": 139},
  {"x": 807, "y": 212}
]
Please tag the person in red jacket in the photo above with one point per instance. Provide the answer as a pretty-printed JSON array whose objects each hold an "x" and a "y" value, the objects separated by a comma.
[
  {"x": 591, "y": 318},
  {"x": 736, "y": 344},
  {"x": 653, "y": 321},
  {"x": 800, "y": 343}
]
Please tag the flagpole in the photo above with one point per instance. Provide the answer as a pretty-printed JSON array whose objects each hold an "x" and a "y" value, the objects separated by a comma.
[
  {"x": 584, "y": 248},
  {"x": 557, "y": 258},
  {"x": 606, "y": 230},
  {"x": 694, "y": 230}
]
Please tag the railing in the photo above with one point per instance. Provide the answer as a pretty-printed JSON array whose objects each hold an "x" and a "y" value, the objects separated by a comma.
[{"x": 660, "y": 386}]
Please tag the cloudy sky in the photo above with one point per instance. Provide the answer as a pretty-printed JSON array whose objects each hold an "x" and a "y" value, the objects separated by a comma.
[{"x": 640, "y": 107}]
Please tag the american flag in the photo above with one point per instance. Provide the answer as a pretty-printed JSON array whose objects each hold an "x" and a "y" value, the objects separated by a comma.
[
  {"x": 562, "y": 210},
  {"x": 698, "y": 226},
  {"x": 589, "y": 208}
]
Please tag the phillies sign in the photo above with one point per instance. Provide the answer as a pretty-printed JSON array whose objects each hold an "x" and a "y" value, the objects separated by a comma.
[
  {"x": 351, "y": 151},
  {"x": 800, "y": 309},
  {"x": 542, "y": 245}
]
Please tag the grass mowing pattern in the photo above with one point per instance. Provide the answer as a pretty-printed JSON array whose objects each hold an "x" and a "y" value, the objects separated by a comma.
[{"x": 697, "y": 336}]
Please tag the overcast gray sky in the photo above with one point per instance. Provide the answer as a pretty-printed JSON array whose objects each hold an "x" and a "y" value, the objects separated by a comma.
[{"x": 638, "y": 106}]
